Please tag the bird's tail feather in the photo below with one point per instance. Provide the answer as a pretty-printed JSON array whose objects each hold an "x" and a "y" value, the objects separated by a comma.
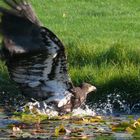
[{"x": 20, "y": 8}]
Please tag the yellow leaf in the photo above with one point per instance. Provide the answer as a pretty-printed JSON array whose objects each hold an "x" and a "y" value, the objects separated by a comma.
[
  {"x": 130, "y": 130},
  {"x": 99, "y": 117},
  {"x": 60, "y": 130},
  {"x": 136, "y": 124},
  {"x": 138, "y": 119},
  {"x": 113, "y": 127},
  {"x": 95, "y": 119},
  {"x": 85, "y": 120},
  {"x": 77, "y": 121}
]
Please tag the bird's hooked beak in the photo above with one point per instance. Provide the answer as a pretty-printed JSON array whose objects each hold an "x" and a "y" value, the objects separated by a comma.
[
  {"x": 92, "y": 88},
  {"x": 88, "y": 87}
]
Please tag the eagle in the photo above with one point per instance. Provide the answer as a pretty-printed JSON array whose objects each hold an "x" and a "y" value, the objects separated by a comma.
[{"x": 36, "y": 59}]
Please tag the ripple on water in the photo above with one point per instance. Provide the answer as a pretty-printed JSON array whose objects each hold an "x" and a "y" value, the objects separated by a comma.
[
  {"x": 123, "y": 136},
  {"x": 5, "y": 122}
]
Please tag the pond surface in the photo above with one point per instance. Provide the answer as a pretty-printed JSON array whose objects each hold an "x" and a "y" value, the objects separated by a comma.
[{"x": 68, "y": 127}]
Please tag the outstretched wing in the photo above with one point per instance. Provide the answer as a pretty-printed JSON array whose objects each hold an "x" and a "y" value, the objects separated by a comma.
[
  {"x": 35, "y": 57},
  {"x": 22, "y": 9}
]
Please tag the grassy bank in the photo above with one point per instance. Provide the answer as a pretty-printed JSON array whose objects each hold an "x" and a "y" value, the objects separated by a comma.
[{"x": 102, "y": 40}]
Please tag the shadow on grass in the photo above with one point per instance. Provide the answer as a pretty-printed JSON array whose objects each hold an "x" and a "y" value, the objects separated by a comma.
[
  {"x": 115, "y": 54},
  {"x": 128, "y": 89},
  {"x": 128, "y": 86},
  {"x": 120, "y": 66}
]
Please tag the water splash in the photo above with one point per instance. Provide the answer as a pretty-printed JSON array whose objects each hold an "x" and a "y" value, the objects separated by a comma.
[
  {"x": 40, "y": 108},
  {"x": 83, "y": 112},
  {"x": 114, "y": 105},
  {"x": 43, "y": 108}
]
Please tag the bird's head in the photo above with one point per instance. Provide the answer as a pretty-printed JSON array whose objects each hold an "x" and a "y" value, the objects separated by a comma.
[
  {"x": 88, "y": 88},
  {"x": 77, "y": 99}
]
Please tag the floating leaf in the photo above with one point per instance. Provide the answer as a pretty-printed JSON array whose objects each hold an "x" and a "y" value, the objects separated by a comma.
[
  {"x": 76, "y": 130},
  {"x": 38, "y": 131},
  {"x": 29, "y": 118},
  {"x": 120, "y": 126},
  {"x": 65, "y": 117},
  {"x": 77, "y": 121},
  {"x": 96, "y": 119},
  {"x": 130, "y": 130},
  {"x": 136, "y": 124},
  {"x": 60, "y": 130}
]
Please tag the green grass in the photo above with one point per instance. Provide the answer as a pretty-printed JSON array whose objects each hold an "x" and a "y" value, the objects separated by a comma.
[{"x": 102, "y": 40}]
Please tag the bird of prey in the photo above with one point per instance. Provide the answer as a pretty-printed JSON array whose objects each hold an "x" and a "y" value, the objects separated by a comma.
[
  {"x": 78, "y": 98},
  {"x": 36, "y": 58}
]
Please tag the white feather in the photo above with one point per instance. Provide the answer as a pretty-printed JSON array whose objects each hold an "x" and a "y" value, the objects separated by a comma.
[
  {"x": 18, "y": 49},
  {"x": 60, "y": 93},
  {"x": 34, "y": 84}
]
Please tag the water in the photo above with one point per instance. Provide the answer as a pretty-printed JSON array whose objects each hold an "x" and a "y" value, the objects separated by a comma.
[
  {"x": 75, "y": 127},
  {"x": 115, "y": 105},
  {"x": 80, "y": 119},
  {"x": 83, "y": 112},
  {"x": 123, "y": 136}
]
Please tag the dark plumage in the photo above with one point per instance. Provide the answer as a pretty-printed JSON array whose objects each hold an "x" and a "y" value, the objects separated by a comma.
[
  {"x": 78, "y": 98},
  {"x": 35, "y": 57}
]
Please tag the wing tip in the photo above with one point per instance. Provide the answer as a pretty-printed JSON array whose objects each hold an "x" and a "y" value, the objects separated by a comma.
[{"x": 20, "y": 8}]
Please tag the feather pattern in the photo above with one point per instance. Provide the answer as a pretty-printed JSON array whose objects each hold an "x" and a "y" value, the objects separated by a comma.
[
  {"x": 35, "y": 57},
  {"x": 21, "y": 8}
]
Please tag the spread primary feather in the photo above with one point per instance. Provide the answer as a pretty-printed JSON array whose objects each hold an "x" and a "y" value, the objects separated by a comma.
[{"x": 35, "y": 57}]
